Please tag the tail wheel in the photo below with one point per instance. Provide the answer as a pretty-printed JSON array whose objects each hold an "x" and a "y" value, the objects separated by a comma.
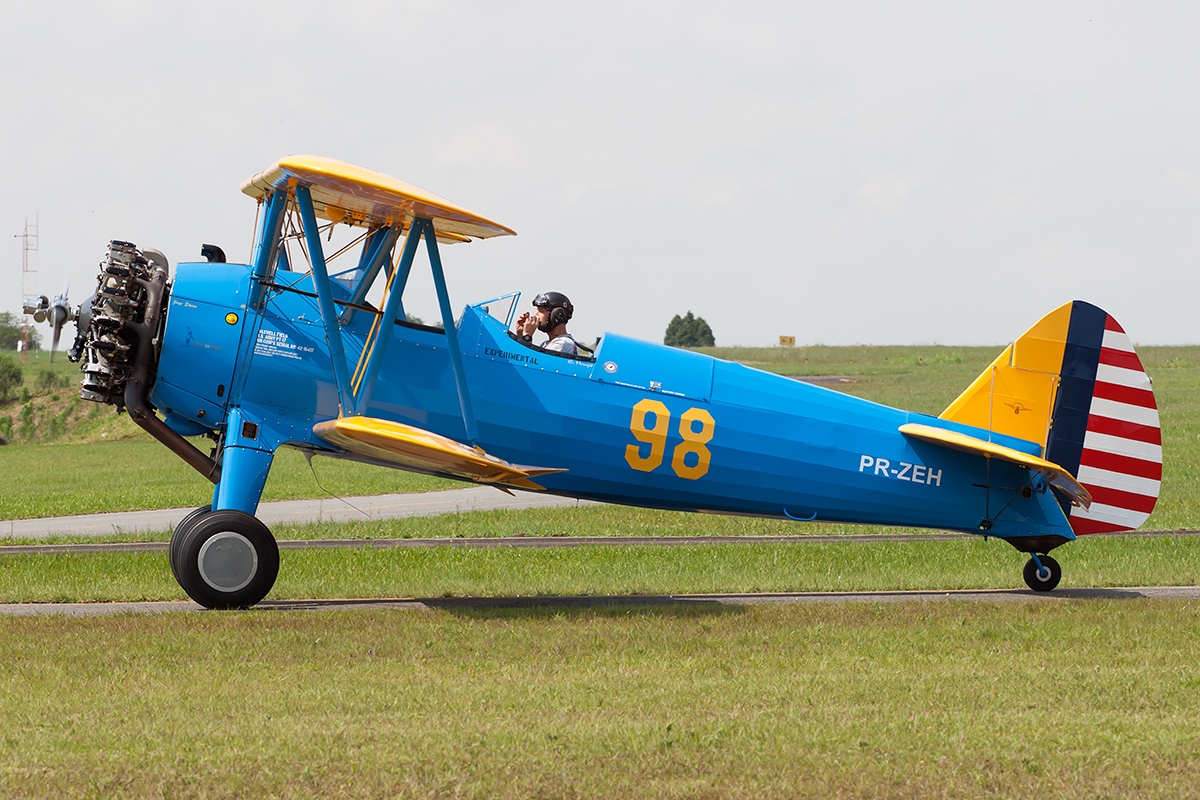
[
  {"x": 1044, "y": 579},
  {"x": 181, "y": 530},
  {"x": 226, "y": 559}
]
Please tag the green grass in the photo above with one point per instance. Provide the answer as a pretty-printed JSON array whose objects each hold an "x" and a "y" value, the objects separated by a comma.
[
  {"x": 139, "y": 473},
  {"x": 1075, "y": 698},
  {"x": 608, "y": 570},
  {"x": 1071, "y": 700}
]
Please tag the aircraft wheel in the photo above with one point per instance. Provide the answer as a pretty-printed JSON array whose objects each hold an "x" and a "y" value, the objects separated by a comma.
[
  {"x": 1045, "y": 579},
  {"x": 227, "y": 559},
  {"x": 181, "y": 530}
]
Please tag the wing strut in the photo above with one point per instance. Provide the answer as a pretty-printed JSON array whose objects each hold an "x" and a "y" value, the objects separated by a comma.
[
  {"x": 376, "y": 252},
  {"x": 333, "y": 331},
  {"x": 376, "y": 347},
  {"x": 456, "y": 359},
  {"x": 381, "y": 331},
  {"x": 354, "y": 395}
]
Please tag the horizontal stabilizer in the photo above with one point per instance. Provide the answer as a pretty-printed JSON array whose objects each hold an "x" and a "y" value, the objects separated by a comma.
[
  {"x": 1058, "y": 477},
  {"x": 416, "y": 448}
]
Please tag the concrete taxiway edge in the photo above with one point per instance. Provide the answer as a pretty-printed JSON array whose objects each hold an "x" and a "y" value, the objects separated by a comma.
[
  {"x": 587, "y": 601},
  {"x": 294, "y": 512}
]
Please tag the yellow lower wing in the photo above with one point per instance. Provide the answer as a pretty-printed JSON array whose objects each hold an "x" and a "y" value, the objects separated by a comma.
[
  {"x": 420, "y": 449},
  {"x": 1056, "y": 475}
]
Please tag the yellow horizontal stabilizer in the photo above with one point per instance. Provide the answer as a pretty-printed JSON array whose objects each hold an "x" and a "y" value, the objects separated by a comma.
[
  {"x": 1056, "y": 475},
  {"x": 352, "y": 195},
  {"x": 420, "y": 449}
]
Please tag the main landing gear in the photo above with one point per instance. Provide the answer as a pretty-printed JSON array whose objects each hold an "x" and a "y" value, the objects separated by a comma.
[
  {"x": 224, "y": 559},
  {"x": 1042, "y": 573}
]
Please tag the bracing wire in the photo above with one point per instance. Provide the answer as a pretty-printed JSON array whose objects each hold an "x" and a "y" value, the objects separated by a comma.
[{"x": 308, "y": 456}]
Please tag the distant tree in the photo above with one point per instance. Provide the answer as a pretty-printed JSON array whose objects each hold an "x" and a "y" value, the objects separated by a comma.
[
  {"x": 10, "y": 333},
  {"x": 689, "y": 331},
  {"x": 413, "y": 318},
  {"x": 10, "y": 377}
]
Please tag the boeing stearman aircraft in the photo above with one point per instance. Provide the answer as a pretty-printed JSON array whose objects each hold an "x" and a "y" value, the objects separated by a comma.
[{"x": 1058, "y": 437}]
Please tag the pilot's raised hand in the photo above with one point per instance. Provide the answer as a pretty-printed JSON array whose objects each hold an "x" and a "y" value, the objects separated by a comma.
[{"x": 526, "y": 324}]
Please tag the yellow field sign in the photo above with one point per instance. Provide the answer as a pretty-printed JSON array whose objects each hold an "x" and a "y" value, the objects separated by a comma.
[{"x": 787, "y": 341}]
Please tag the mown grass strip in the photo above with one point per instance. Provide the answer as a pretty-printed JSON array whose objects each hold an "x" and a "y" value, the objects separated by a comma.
[
  {"x": 1078, "y": 699},
  {"x": 55, "y": 480},
  {"x": 599, "y": 570}
]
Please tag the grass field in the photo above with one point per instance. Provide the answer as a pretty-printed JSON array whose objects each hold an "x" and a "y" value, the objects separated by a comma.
[
  {"x": 1075, "y": 698},
  {"x": 615, "y": 570},
  {"x": 79, "y": 458},
  {"x": 139, "y": 473},
  {"x": 1068, "y": 700}
]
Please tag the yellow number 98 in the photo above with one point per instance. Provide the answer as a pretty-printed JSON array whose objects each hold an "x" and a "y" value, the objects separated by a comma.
[{"x": 655, "y": 436}]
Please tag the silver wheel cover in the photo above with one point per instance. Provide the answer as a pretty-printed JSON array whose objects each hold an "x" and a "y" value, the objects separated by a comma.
[{"x": 228, "y": 562}]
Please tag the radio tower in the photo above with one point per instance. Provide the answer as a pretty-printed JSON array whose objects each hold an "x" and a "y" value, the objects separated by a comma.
[{"x": 28, "y": 274}]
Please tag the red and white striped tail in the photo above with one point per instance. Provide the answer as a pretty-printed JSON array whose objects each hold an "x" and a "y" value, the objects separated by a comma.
[{"x": 1121, "y": 463}]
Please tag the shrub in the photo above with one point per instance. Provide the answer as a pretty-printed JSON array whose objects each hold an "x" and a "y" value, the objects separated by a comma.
[
  {"x": 49, "y": 380},
  {"x": 689, "y": 331},
  {"x": 10, "y": 333},
  {"x": 10, "y": 376},
  {"x": 28, "y": 427}
]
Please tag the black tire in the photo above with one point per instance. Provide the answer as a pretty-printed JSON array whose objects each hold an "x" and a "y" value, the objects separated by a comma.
[
  {"x": 177, "y": 537},
  {"x": 1043, "y": 582},
  {"x": 227, "y": 559}
]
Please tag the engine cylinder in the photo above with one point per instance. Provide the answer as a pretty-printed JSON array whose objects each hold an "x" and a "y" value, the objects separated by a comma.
[{"x": 117, "y": 315}]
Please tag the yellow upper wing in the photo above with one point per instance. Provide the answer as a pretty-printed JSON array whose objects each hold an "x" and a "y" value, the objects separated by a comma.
[{"x": 353, "y": 195}]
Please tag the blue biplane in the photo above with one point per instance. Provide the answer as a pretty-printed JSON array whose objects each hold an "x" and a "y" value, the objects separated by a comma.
[{"x": 1058, "y": 437}]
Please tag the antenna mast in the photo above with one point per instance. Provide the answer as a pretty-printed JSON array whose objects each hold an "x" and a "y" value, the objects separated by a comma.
[{"x": 29, "y": 242}]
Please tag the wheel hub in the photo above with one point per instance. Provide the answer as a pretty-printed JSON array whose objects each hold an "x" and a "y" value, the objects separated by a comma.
[{"x": 228, "y": 562}]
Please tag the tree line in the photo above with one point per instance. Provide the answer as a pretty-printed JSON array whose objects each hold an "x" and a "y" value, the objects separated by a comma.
[{"x": 689, "y": 331}]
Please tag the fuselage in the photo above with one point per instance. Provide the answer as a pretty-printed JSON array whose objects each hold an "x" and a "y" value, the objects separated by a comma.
[{"x": 641, "y": 424}]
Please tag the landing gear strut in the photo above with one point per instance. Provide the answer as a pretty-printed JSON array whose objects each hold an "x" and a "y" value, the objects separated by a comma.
[
  {"x": 1042, "y": 573},
  {"x": 224, "y": 559}
]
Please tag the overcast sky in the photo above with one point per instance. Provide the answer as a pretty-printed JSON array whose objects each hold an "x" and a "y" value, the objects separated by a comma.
[{"x": 877, "y": 173}]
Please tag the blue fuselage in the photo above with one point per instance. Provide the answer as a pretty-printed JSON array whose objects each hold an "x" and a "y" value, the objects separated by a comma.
[{"x": 642, "y": 424}]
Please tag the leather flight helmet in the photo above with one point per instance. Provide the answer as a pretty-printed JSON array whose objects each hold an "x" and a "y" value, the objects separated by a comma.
[{"x": 558, "y": 309}]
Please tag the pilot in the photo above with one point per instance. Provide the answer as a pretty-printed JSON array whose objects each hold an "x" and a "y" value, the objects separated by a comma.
[{"x": 552, "y": 312}]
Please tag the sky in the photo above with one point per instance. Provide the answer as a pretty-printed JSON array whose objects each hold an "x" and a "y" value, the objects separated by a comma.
[{"x": 884, "y": 173}]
